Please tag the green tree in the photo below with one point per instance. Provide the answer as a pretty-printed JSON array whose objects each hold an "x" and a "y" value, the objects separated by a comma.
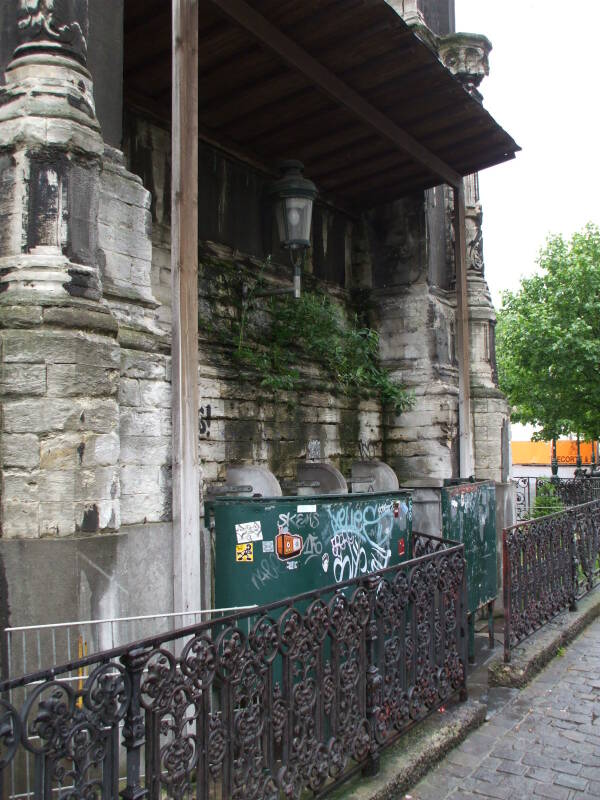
[
  {"x": 549, "y": 340},
  {"x": 546, "y": 500}
]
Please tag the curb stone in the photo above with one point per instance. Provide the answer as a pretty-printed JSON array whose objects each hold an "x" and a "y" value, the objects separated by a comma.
[
  {"x": 419, "y": 750},
  {"x": 413, "y": 756},
  {"x": 533, "y": 654}
]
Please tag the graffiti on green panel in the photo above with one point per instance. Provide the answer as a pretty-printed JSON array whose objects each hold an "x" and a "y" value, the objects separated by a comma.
[
  {"x": 285, "y": 546},
  {"x": 469, "y": 516}
]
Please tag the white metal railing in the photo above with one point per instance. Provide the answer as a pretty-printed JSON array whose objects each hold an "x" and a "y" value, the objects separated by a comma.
[{"x": 33, "y": 648}]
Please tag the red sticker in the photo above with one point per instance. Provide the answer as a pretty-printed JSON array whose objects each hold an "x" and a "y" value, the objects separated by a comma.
[
  {"x": 401, "y": 548},
  {"x": 288, "y": 545}
]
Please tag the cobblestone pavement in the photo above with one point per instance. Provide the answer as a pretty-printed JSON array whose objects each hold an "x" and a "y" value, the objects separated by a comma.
[{"x": 544, "y": 743}]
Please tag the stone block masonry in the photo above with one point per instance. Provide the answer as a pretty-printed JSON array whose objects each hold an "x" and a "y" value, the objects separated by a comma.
[
  {"x": 145, "y": 430},
  {"x": 60, "y": 431},
  {"x": 60, "y": 343}
]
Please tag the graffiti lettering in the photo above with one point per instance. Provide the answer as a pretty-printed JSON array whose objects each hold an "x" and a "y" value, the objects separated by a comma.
[
  {"x": 268, "y": 570},
  {"x": 349, "y": 557},
  {"x": 313, "y": 547},
  {"x": 361, "y": 538},
  {"x": 366, "y": 450},
  {"x": 300, "y": 520}
]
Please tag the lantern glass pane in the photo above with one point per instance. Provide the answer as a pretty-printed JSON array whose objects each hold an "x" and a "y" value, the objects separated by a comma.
[
  {"x": 281, "y": 219},
  {"x": 298, "y": 212}
]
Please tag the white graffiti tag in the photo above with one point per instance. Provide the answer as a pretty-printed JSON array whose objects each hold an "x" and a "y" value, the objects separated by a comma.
[
  {"x": 268, "y": 570},
  {"x": 361, "y": 538},
  {"x": 299, "y": 520},
  {"x": 349, "y": 556},
  {"x": 313, "y": 547}
]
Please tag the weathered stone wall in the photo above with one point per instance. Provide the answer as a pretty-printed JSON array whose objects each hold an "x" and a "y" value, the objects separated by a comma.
[
  {"x": 491, "y": 414},
  {"x": 144, "y": 391},
  {"x": 240, "y": 421},
  {"x": 416, "y": 320},
  {"x": 399, "y": 257},
  {"x": 60, "y": 442}
]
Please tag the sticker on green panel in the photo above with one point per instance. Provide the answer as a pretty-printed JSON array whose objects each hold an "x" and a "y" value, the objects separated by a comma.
[{"x": 244, "y": 553}]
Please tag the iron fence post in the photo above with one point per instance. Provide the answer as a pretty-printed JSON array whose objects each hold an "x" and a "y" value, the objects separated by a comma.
[
  {"x": 506, "y": 589},
  {"x": 464, "y": 611},
  {"x": 573, "y": 555},
  {"x": 134, "y": 728},
  {"x": 554, "y": 460},
  {"x": 374, "y": 680},
  {"x": 10, "y": 734}
]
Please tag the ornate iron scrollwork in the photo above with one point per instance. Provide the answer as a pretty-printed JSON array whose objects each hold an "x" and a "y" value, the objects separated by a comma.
[
  {"x": 548, "y": 563},
  {"x": 262, "y": 705}
]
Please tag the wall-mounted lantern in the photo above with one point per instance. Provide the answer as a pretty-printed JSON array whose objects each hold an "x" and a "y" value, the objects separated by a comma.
[{"x": 293, "y": 197}]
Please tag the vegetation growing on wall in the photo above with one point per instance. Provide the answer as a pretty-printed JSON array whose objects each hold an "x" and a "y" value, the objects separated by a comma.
[{"x": 277, "y": 338}]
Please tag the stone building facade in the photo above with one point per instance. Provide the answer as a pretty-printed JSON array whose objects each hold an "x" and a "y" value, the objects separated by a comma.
[{"x": 85, "y": 322}]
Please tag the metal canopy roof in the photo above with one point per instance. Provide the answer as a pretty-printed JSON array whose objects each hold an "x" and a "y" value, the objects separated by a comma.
[{"x": 343, "y": 85}]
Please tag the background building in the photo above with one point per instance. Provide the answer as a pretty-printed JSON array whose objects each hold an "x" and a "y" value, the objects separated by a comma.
[{"x": 86, "y": 312}]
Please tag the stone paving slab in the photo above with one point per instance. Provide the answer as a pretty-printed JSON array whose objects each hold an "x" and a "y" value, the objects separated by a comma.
[{"x": 543, "y": 743}]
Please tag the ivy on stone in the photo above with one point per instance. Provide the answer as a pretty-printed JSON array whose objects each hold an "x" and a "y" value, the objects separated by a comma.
[
  {"x": 281, "y": 339},
  {"x": 314, "y": 329}
]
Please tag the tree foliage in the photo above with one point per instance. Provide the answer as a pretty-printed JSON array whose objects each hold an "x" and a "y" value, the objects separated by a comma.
[
  {"x": 549, "y": 340},
  {"x": 547, "y": 501}
]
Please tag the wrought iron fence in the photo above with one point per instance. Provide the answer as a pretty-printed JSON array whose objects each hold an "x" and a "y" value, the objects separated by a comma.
[
  {"x": 568, "y": 491},
  {"x": 264, "y": 703},
  {"x": 548, "y": 564},
  {"x": 32, "y": 648}
]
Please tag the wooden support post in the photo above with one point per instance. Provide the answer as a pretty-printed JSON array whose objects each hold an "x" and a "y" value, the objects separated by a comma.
[
  {"x": 467, "y": 465},
  {"x": 184, "y": 285}
]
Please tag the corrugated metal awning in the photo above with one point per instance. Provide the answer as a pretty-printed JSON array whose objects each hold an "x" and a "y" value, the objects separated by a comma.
[{"x": 343, "y": 85}]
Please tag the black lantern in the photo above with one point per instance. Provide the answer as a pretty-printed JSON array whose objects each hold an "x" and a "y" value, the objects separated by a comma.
[{"x": 293, "y": 196}]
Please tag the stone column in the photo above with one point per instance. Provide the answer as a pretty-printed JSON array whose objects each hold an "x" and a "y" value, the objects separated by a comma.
[
  {"x": 416, "y": 322},
  {"x": 467, "y": 57},
  {"x": 60, "y": 357}
]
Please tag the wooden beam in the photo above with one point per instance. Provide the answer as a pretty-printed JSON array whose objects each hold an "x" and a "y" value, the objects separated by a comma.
[
  {"x": 465, "y": 426},
  {"x": 184, "y": 284},
  {"x": 330, "y": 84}
]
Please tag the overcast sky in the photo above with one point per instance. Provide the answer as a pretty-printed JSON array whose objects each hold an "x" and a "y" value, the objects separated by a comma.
[{"x": 543, "y": 89}]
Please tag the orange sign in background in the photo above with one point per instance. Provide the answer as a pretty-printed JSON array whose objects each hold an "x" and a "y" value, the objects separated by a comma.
[{"x": 541, "y": 452}]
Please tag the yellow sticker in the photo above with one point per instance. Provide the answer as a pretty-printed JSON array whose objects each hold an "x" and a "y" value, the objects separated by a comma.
[{"x": 244, "y": 552}]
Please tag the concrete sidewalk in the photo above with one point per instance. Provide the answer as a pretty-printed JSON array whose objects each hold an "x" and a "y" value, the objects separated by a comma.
[{"x": 543, "y": 743}]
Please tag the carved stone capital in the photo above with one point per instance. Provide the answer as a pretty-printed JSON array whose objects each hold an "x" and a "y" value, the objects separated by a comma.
[
  {"x": 409, "y": 10},
  {"x": 57, "y": 26},
  {"x": 466, "y": 55},
  {"x": 48, "y": 92},
  {"x": 411, "y": 14}
]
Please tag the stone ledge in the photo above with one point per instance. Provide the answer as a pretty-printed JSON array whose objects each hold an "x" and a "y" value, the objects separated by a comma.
[
  {"x": 416, "y": 753},
  {"x": 532, "y": 655}
]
